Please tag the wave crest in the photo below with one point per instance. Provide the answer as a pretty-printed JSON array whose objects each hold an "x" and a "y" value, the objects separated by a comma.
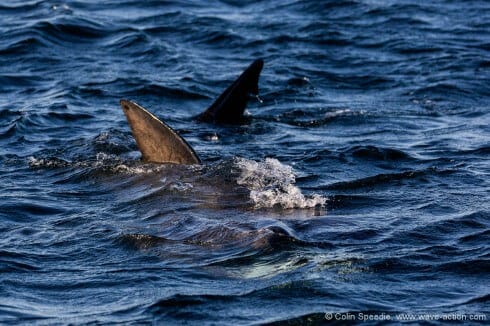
[{"x": 272, "y": 184}]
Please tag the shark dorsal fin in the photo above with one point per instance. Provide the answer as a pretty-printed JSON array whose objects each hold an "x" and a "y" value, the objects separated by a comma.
[
  {"x": 156, "y": 141},
  {"x": 230, "y": 105}
]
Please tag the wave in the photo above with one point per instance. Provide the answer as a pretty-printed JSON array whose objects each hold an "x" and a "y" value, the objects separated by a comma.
[
  {"x": 271, "y": 184},
  {"x": 14, "y": 262},
  {"x": 77, "y": 30},
  {"x": 195, "y": 305},
  {"x": 386, "y": 178},
  {"x": 21, "y": 7},
  {"x": 464, "y": 266},
  {"x": 17, "y": 123},
  {"x": 378, "y": 153},
  {"x": 23, "y": 46},
  {"x": 484, "y": 299},
  {"x": 136, "y": 87},
  {"x": 318, "y": 117}
]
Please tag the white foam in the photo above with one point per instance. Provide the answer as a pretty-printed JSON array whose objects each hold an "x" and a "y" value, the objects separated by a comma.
[
  {"x": 101, "y": 161},
  {"x": 272, "y": 184},
  {"x": 46, "y": 162}
]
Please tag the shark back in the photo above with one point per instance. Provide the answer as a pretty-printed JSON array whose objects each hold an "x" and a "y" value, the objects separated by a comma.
[
  {"x": 230, "y": 105},
  {"x": 157, "y": 142}
]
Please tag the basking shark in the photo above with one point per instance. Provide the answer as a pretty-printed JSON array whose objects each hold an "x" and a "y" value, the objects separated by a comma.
[{"x": 159, "y": 143}]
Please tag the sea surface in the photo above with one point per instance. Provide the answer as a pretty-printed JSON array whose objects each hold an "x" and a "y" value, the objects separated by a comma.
[{"x": 359, "y": 186}]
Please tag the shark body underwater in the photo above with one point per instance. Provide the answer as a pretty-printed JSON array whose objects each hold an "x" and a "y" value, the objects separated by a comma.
[{"x": 159, "y": 143}]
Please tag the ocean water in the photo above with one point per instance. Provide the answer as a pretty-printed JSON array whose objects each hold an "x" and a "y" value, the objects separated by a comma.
[{"x": 360, "y": 185}]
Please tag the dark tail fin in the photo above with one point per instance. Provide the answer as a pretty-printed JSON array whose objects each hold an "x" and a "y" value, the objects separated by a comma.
[{"x": 230, "y": 105}]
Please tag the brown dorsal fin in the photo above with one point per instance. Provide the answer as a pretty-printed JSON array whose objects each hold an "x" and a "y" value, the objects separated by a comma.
[{"x": 156, "y": 141}]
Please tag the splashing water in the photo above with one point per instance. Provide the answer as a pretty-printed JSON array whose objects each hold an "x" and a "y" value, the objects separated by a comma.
[{"x": 272, "y": 184}]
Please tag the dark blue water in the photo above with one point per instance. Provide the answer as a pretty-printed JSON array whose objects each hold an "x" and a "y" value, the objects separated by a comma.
[{"x": 360, "y": 185}]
